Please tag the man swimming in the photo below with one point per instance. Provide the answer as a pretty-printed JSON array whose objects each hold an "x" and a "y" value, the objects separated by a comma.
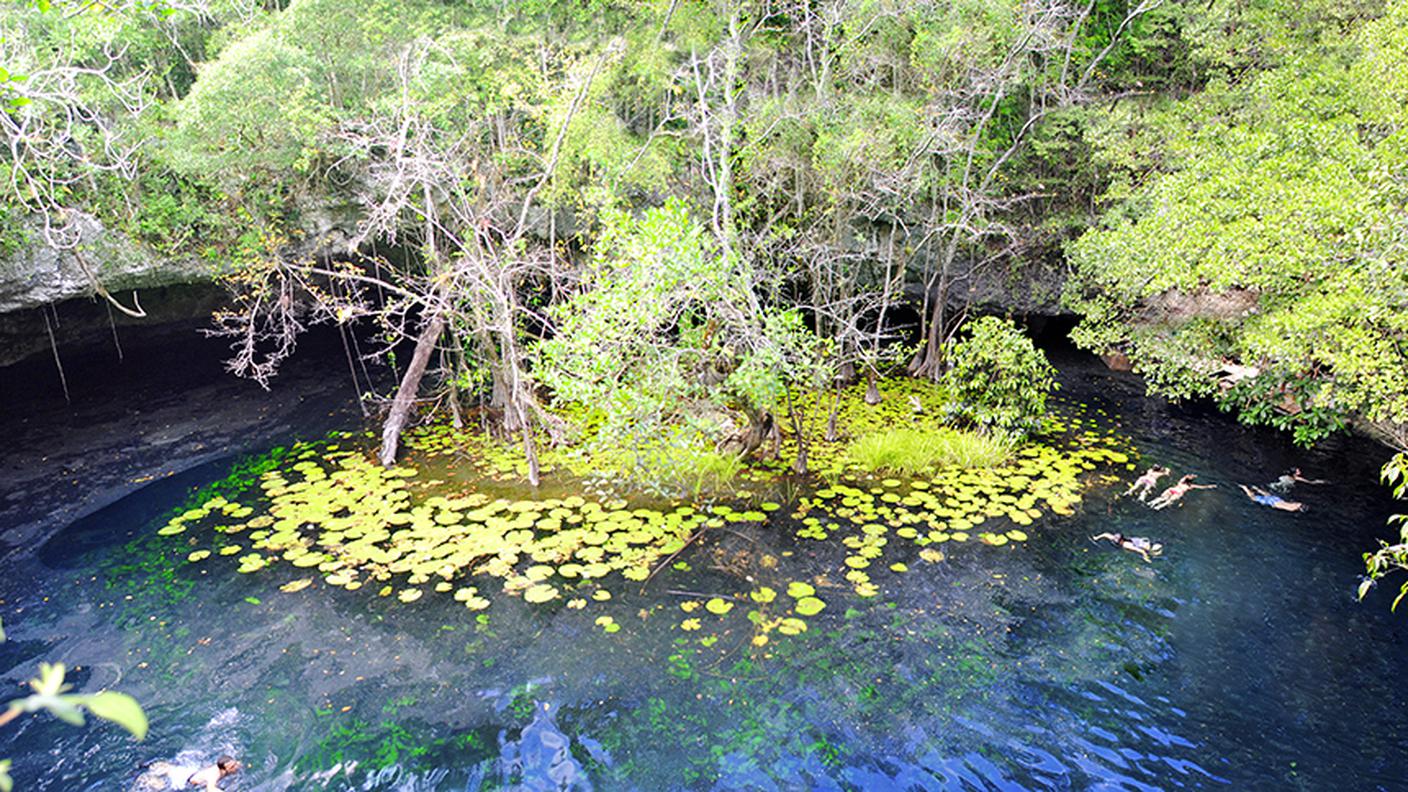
[
  {"x": 1261, "y": 496},
  {"x": 1175, "y": 493},
  {"x": 207, "y": 776},
  {"x": 165, "y": 775},
  {"x": 1134, "y": 544},
  {"x": 1145, "y": 484},
  {"x": 1289, "y": 479}
]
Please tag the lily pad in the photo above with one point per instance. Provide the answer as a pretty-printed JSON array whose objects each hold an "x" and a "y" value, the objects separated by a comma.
[{"x": 718, "y": 606}]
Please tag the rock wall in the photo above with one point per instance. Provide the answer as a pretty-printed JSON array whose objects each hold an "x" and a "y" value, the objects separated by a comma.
[{"x": 39, "y": 275}]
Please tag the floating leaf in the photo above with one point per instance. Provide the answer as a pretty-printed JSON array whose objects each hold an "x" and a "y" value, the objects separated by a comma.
[
  {"x": 791, "y": 626},
  {"x": 718, "y": 606},
  {"x": 296, "y": 585},
  {"x": 798, "y": 589},
  {"x": 540, "y": 593},
  {"x": 809, "y": 606}
]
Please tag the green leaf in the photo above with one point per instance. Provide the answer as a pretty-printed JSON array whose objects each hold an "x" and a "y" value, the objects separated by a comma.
[
  {"x": 43, "y": 6},
  {"x": 19, "y": 101},
  {"x": 65, "y": 709},
  {"x": 121, "y": 709},
  {"x": 2, "y": 631},
  {"x": 6, "y": 784},
  {"x": 50, "y": 681}
]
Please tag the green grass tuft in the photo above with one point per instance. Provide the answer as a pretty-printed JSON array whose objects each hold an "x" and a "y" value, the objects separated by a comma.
[{"x": 912, "y": 451}]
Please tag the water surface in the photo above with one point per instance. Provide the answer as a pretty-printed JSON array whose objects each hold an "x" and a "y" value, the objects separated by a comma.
[{"x": 1239, "y": 660}]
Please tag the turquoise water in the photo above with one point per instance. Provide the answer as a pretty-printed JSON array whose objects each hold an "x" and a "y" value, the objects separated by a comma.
[{"x": 1237, "y": 661}]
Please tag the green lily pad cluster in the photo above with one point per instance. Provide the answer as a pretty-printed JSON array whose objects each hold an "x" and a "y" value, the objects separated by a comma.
[
  {"x": 771, "y": 613},
  {"x": 992, "y": 505},
  {"x": 434, "y": 526},
  {"x": 356, "y": 523}
]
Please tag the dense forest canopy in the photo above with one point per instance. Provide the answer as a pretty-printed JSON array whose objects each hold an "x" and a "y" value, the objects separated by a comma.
[{"x": 666, "y": 216}]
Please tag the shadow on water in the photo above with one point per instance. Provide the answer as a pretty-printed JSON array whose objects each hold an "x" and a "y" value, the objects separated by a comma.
[{"x": 1237, "y": 661}]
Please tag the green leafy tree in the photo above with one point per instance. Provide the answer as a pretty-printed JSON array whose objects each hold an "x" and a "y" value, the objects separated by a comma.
[
  {"x": 998, "y": 379},
  {"x": 668, "y": 334},
  {"x": 1259, "y": 261},
  {"x": 1391, "y": 558}
]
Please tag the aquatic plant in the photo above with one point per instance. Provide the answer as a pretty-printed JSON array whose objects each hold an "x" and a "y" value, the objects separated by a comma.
[
  {"x": 911, "y": 451},
  {"x": 329, "y": 514}
]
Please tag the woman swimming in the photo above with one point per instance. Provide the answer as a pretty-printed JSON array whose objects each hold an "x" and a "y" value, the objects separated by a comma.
[
  {"x": 1289, "y": 479},
  {"x": 1173, "y": 494},
  {"x": 1145, "y": 484}
]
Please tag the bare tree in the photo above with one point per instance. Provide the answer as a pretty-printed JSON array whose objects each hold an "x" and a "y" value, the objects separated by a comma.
[
  {"x": 968, "y": 208},
  {"x": 440, "y": 186}
]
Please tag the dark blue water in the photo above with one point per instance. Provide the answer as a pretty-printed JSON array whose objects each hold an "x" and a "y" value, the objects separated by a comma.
[{"x": 1239, "y": 660}]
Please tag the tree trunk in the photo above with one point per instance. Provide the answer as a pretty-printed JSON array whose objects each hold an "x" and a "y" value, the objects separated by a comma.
[
  {"x": 847, "y": 373},
  {"x": 406, "y": 392},
  {"x": 799, "y": 465},
  {"x": 831, "y": 434},
  {"x": 760, "y": 426},
  {"x": 930, "y": 360},
  {"x": 872, "y": 389}
]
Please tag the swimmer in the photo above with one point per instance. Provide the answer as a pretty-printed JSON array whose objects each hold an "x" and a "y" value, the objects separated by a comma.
[
  {"x": 1173, "y": 494},
  {"x": 1289, "y": 479},
  {"x": 1134, "y": 544},
  {"x": 207, "y": 776},
  {"x": 1145, "y": 484},
  {"x": 1261, "y": 496},
  {"x": 166, "y": 775}
]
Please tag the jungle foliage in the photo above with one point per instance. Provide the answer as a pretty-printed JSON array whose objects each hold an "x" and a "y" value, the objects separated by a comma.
[
  {"x": 666, "y": 216},
  {"x": 675, "y": 215}
]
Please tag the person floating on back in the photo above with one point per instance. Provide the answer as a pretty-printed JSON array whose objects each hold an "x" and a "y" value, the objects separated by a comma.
[
  {"x": 1173, "y": 494},
  {"x": 1134, "y": 544},
  {"x": 1261, "y": 496},
  {"x": 1145, "y": 484},
  {"x": 1289, "y": 479}
]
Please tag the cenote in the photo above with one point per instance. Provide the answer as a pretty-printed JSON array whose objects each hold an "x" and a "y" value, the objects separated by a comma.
[{"x": 1239, "y": 659}]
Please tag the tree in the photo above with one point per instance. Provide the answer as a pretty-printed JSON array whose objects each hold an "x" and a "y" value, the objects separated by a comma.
[
  {"x": 666, "y": 338},
  {"x": 1390, "y": 558},
  {"x": 998, "y": 379},
  {"x": 70, "y": 101},
  {"x": 1260, "y": 261}
]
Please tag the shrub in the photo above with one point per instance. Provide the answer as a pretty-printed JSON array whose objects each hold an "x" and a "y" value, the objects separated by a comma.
[
  {"x": 998, "y": 378},
  {"x": 911, "y": 451}
]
